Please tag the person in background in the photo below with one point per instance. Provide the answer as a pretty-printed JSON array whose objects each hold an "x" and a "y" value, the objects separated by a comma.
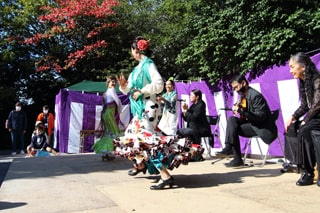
[
  {"x": 39, "y": 141},
  {"x": 110, "y": 119},
  {"x": 47, "y": 118},
  {"x": 302, "y": 68},
  {"x": 17, "y": 126},
  {"x": 252, "y": 117},
  {"x": 195, "y": 116},
  {"x": 169, "y": 120},
  {"x": 111, "y": 103}
]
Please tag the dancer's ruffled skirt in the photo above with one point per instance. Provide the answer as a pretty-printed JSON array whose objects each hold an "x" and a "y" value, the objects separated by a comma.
[{"x": 155, "y": 150}]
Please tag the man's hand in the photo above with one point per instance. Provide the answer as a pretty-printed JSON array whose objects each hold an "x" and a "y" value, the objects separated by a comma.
[{"x": 235, "y": 109}]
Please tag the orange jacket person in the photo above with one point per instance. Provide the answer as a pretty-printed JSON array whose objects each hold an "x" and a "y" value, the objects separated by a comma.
[{"x": 47, "y": 118}]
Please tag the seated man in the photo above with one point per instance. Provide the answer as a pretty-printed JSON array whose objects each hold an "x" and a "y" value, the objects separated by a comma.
[
  {"x": 254, "y": 119},
  {"x": 197, "y": 123}
]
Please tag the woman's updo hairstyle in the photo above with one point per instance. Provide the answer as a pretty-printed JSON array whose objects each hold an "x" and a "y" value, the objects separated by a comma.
[
  {"x": 141, "y": 44},
  {"x": 311, "y": 73}
]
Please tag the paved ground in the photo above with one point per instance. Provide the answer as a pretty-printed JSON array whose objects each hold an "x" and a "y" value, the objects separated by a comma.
[{"x": 85, "y": 184}]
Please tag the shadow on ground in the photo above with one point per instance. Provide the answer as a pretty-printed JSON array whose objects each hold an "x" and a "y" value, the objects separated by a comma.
[
  {"x": 10, "y": 205},
  {"x": 38, "y": 167},
  {"x": 216, "y": 179},
  {"x": 4, "y": 167}
]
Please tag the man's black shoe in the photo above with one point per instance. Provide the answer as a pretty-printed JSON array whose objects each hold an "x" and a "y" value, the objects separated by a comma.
[
  {"x": 226, "y": 152},
  {"x": 234, "y": 163},
  {"x": 305, "y": 179}
]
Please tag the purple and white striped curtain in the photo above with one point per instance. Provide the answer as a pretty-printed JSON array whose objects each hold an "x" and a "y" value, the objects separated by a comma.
[
  {"x": 276, "y": 84},
  {"x": 76, "y": 111}
]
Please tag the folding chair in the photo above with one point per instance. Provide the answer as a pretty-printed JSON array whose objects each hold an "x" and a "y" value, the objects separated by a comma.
[
  {"x": 213, "y": 121},
  {"x": 275, "y": 115}
]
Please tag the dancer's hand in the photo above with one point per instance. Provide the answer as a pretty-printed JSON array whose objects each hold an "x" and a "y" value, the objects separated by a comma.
[
  {"x": 136, "y": 94},
  {"x": 122, "y": 81}
]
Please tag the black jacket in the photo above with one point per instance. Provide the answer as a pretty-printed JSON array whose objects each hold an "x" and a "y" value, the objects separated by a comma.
[
  {"x": 197, "y": 120},
  {"x": 17, "y": 120},
  {"x": 259, "y": 115}
]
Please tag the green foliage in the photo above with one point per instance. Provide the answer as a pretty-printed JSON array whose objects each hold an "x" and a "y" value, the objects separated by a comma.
[
  {"x": 190, "y": 39},
  {"x": 163, "y": 23},
  {"x": 18, "y": 21},
  {"x": 242, "y": 36}
]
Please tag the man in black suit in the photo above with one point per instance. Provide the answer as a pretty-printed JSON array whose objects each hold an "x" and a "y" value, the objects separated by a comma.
[
  {"x": 195, "y": 116},
  {"x": 252, "y": 118}
]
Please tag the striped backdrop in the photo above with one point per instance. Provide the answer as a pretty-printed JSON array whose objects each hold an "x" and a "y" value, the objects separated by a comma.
[
  {"x": 77, "y": 111},
  {"x": 276, "y": 84}
]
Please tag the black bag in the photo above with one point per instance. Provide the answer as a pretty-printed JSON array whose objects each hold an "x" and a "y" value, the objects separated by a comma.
[
  {"x": 293, "y": 149},
  {"x": 293, "y": 145}
]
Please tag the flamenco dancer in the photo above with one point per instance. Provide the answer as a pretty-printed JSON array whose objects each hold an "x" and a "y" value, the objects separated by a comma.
[
  {"x": 109, "y": 119},
  {"x": 169, "y": 119},
  {"x": 143, "y": 143}
]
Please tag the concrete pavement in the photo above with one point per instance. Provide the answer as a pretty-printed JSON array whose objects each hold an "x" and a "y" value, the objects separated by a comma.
[{"x": 83, "y": 183}]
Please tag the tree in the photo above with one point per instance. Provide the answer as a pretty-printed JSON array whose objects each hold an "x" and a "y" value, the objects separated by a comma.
[
  {"x": 161, "y": 21},
  {"x": 84, "y": 39},
  {"x": 18, "y": 20},
  {"x": 248, "y": 36},
  {"x": 76, "y": 28},
  {"x": 17, "y": 60},
  {"x": 172, "y": 18}
]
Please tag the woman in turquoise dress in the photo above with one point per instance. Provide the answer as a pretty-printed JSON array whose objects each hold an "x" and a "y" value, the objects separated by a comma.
[{"x": 143, "y": 143}]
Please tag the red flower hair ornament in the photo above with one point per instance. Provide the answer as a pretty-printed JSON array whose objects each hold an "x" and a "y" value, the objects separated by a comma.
[{"x": 142, "y": 44}]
